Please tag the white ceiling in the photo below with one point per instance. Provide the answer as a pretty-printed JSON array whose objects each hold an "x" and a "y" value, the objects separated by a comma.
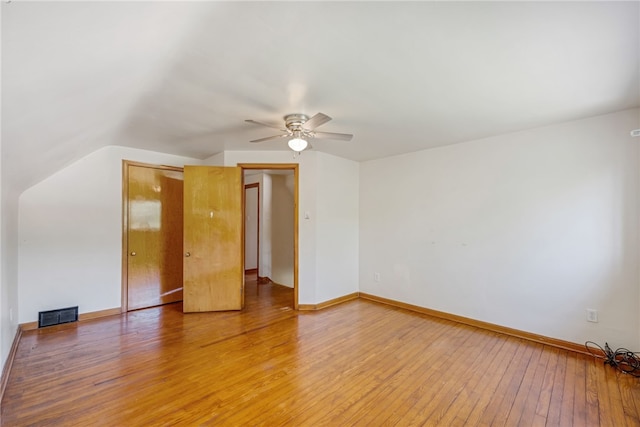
[{"x": 181, "y": 77}]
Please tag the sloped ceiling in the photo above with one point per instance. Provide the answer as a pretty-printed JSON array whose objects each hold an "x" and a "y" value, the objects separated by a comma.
[{"x": 181, "y": 77}]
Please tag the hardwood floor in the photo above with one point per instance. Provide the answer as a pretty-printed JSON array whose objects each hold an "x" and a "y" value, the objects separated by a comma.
[{"x": 357, "y": 363}]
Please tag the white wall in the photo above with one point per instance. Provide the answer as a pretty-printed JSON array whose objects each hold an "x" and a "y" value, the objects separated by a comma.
[
  {"x": 251, "y": 228},
  {"x": 8, "y": 255},
  {"x": 266, "y": 243},
  {"x": 282, "y": 231},
  {"x": 525, "y": 230},
  {"x": 8, "y": 268},
  {"x": 215, "y": 160},
  {"x": 70, "y": 231},
  {"x": 337, "y": 227}
]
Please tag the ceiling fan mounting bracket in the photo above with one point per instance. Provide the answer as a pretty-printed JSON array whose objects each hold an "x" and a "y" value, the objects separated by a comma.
[{"x": 294, "y": 122}]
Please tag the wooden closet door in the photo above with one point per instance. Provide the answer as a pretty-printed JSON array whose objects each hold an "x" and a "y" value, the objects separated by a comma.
[
  {"x": 154, "y": 235},
  {"x": 213, "y": 245}
]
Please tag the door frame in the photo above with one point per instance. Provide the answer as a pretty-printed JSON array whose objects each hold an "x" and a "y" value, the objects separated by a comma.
[
  {"x": 124, "y": 305},
  {"x": 295, "y": 168},
  {"x": 255, "y": 185}
]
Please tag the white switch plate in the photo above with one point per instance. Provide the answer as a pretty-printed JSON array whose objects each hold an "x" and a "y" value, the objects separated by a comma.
[{"x": 592, "y": 315}]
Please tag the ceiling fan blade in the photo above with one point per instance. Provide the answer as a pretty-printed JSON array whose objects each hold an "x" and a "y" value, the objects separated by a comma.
[
  {"x": 269, "y": 125},
  {"x": 315, "y": 121},
  {"x": 333, "y": 135},
  {"x": 270, "y": 138}
]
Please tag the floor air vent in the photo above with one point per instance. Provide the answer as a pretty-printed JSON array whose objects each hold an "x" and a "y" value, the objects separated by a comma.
[{"x": 55, "y": 317}]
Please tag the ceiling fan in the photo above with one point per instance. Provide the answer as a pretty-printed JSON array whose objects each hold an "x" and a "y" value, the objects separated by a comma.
[{"x": 300, "y": 128}]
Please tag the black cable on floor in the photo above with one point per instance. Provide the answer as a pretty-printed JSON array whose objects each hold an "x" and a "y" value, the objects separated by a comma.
[{"x": 622, "y": 359}]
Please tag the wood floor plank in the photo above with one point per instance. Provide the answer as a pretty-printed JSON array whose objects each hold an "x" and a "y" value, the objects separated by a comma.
[
  {"x": 592, "y": 392},
  {"x": 527, "y": 415},
  {"x": 580, "y": 404},
  {"x": 344, "y": 371},
  {"x": 544, "y": 400},
  {"x": 492, "y": 378},
  {"x": 357, "y": 363},
  {"x": 568, "y": 392},
  {"x": 514, "y": 414},
  {"x": 605, "y": 398},
  {"x": 365, "y": 373},
  {"x": 353, "y": 374},
  {"x": 434, "y": 396},
  {"x": 617, "y": 415},
  {"x": 502, "y": 398},
  {"x": 627, "y": 384},
  {"x": 400, "y": 377},
  {"x": 425, "y": 383},
  {"x": 438, "y": 403},
  {"x": 466, "y": 397},
  {"x": 391, "y": 394},
  {"x": 557, "y": 391}
]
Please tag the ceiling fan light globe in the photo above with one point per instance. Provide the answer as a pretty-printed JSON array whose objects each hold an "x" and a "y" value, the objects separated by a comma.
[{"x": 297, "y": 144}]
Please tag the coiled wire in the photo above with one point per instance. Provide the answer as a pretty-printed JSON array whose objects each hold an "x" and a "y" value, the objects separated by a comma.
[{"x": 622, "y": 359}]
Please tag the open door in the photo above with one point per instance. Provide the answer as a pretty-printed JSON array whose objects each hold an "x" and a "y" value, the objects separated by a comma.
[
  {"x": 213, "y": 251},
  {"x": 152, "y": 263}
]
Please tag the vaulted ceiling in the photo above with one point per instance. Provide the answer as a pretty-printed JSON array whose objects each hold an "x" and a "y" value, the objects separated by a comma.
[{"x": 181, "y": 77}]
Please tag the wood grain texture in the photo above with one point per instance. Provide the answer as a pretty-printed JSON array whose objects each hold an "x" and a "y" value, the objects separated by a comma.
[
  {"x": 566, "y": 345},
  {"x": 8, "y": 365},
  {"x": 152, "y": 241},
  {"x": 356, "y": 363},
  {"x": 213, "y": 238},
  {"x": 329, "y": 303}
]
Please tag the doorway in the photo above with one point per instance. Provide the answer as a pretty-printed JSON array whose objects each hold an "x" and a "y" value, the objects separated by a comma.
[
  {"x": 166, "y": 290},
  {"x": 277, "y": 259}
]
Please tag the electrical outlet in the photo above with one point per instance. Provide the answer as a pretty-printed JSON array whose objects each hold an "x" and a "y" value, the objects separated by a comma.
[
  {"x": 376, "y": 277},
  {"x": 592, "y": 315}
]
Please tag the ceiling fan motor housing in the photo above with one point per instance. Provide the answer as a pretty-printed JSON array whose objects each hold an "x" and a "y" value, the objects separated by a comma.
[{"x": 294, "y": 122}]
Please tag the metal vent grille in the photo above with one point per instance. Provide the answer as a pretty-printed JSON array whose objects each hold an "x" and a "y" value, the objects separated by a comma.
[{"x": 55, "y": 317}]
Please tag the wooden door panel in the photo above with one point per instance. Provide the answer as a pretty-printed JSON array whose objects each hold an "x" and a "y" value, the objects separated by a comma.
[
  {"x": 213, "y": 261},
  {"x": 154, "y": 236}
]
